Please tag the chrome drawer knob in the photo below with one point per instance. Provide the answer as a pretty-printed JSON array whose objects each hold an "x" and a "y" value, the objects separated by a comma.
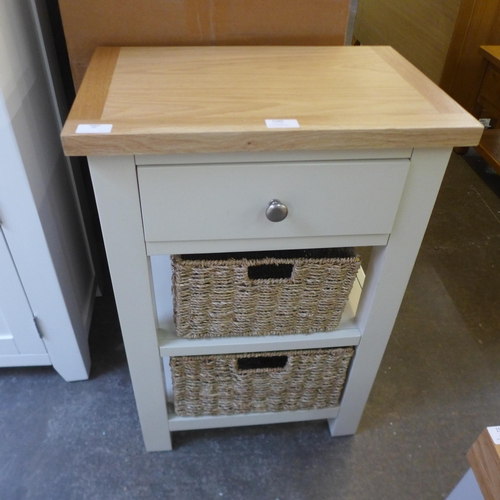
[{"x": 276, "y": 211}]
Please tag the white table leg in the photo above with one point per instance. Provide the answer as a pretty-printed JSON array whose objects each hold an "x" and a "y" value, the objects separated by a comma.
[
  {"x": 386, "y": 279},
  {"x": 115, "y": 186}
]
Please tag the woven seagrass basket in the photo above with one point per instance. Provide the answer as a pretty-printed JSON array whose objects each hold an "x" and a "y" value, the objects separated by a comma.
[
  {"x": 229, "y": 384},
  {"x": 261, "y": 293}
]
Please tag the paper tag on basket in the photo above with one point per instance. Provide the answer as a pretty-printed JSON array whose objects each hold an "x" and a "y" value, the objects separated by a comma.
[
  {"x": 99, "y": 128},
  {"x": 495, "y": 434},
  {"x": 277, "y": 123}
]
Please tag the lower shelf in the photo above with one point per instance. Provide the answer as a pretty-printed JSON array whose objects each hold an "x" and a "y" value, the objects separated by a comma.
[
  {"x": 177, "y": 423},
  {"x": 173, "y": 346}
]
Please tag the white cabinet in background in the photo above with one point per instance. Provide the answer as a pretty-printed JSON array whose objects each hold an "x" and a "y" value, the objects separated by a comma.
[
  {"x": 45, "y": 267},
  {"x": 20, "y": 342}
]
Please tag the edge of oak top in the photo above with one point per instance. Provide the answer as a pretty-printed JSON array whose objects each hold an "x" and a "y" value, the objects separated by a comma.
[{"x": 161, "y": 100}]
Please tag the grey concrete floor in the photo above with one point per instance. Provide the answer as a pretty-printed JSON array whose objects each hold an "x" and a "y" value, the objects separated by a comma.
[{"x": 437, "y": 388}]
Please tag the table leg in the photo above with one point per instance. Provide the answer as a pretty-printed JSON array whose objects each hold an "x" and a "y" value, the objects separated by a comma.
[
  {"x": 388, "y": 273},
  {"x": 115, "y": 185}
]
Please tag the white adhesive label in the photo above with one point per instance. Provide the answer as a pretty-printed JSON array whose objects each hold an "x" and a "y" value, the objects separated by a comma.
[
  {"x": 495, "y": 434},
  {"x": 276, "y": 123},
  {"x": 85, "y": 128}
]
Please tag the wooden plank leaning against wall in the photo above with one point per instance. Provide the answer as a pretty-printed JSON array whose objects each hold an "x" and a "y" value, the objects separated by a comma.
[{"x": 89, "y": 24}]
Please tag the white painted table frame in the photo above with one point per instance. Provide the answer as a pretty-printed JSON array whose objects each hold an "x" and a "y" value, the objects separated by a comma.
[{"x": 392, "y": 259}]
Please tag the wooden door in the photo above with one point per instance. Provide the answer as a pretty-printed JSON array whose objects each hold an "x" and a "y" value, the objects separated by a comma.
[{"x": 20, "y": 343}]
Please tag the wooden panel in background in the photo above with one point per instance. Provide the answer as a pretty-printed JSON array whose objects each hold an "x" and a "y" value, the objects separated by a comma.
[
  {"x": 419, "y": 31},
  {"x": 478, "y": 24},
  {"x": 92, "y": 23}
]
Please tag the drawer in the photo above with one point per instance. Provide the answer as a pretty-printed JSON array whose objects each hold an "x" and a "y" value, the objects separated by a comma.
[{"x": 224, "y": 202}]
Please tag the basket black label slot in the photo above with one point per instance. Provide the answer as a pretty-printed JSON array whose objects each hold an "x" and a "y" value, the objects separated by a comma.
[
  {"x": 257, "y": 362},
  {"x": 270, "y": 271}
]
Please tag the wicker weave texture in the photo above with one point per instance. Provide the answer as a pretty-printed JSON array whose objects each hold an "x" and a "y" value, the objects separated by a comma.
[
  {"x": 216, "y": 385},
  {"x": 217, "y": 298}
]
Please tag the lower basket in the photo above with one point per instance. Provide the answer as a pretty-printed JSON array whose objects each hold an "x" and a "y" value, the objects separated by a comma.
[{"x": 229, "y": 384}]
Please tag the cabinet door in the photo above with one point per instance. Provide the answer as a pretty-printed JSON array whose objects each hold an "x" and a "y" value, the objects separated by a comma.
[{"x": 20, "y": 343}]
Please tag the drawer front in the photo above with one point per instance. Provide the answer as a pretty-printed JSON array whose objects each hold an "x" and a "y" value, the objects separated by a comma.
[{"x": 224, "y": 202}]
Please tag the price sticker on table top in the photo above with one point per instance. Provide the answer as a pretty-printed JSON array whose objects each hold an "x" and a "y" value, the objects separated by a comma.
[
  {"x": 90, "y": 128},
  {"x": 279, "y": 123},
  {"x": 495, "y": 434}
]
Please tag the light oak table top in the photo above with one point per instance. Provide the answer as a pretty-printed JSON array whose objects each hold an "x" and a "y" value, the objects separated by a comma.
[{"x": 213, "y": 99}]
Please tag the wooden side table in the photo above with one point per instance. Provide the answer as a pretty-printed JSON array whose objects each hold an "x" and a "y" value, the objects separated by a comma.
[
  {"x": 484, "y": 459},
  {"x": 188, "y": 145},
  {"x": 482, "y": 480},
  {"x": 488, "y": 105}
]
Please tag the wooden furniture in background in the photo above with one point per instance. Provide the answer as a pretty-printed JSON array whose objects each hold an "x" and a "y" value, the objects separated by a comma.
[
  {"x": 47, "y": 279},
  {"x": 441, "y": 38},
  {"x": 484, "y": 459},
  {"x": 488, "y": 105},
  {"x": 361, "y": 166},
  {"x": 482, "y": 480},
  {"x": 478, "y": 23},
  {"x": 419, "y": 31},
  {"x": 89, "y": 24}
]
